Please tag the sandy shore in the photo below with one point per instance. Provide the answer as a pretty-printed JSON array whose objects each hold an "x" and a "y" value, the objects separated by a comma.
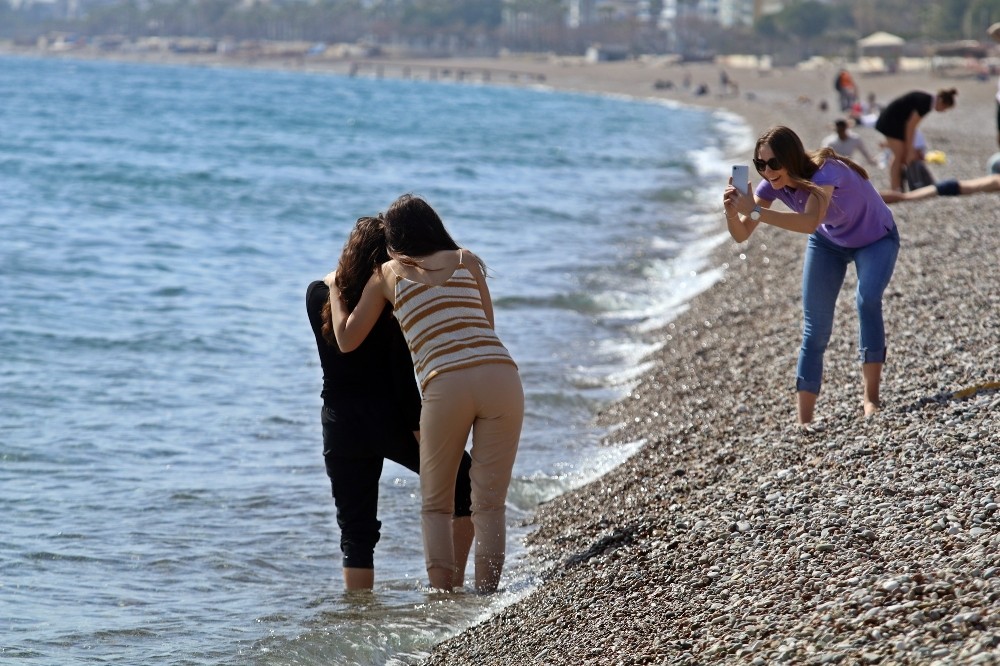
[
  {"x": 733, "y": 536},
  {"x": 736, "y": 537}
]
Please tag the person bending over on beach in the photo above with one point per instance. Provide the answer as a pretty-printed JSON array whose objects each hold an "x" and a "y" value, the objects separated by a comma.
[
  {"x": 469, "y": 380},
  {"x": 832, "y": 200},
  {"x": 898, "y": 123},
  {"x": 945, "y": 188},
  {"x": 371, "y": 410}
]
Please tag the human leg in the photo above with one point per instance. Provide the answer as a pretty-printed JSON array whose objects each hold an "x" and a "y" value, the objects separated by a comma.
[
  {"x": 463, "y": 533},
  {"x": 805, "y": 403},
  {"x": 461, "y": 524},
  {"x": 948, "y": 188},
  {"x": 823, "y": 274},
  {"x": 354, "y": 486},
  {"x": 354, "y": 483},
  {"x": 871, "y": 376},
  {"x": 875, "y": 264},
  {"x": 404, "y": 450},
  {"x": 898, "y": 162},
  {"x": 495, "y": 437},
  {"x": 356, "y": 578},
  {"x": 445, "y": 421},
  {"x": 980, "y": 185}
]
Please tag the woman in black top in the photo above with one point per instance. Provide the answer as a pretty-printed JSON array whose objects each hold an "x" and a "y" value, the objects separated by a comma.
[
  {"x": 359, "y": 433},
  {"x": 898, "y": 123}
]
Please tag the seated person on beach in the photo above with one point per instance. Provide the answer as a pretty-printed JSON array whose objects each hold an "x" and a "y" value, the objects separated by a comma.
[
  {"x": 845, "y": 142},
  {"x": 871, "y": 105}
]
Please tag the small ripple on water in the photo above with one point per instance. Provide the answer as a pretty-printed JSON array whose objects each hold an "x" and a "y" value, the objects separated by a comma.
[{"x": 162, "y": 467}]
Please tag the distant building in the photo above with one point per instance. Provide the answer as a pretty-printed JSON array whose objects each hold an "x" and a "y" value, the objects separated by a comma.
[
  {"x": 588, "y": 12},
  {"x": 727, "y": 13}
]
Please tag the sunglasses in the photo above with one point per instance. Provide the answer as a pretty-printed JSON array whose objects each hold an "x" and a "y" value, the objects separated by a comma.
[{"x": 773, "y": 164}]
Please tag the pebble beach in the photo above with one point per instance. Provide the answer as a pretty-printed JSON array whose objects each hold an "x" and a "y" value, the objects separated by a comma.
[{"x": 735, "y": 536}]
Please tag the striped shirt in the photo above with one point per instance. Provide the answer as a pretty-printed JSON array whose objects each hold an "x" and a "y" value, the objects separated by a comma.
[{"x": 445, "y": 325}]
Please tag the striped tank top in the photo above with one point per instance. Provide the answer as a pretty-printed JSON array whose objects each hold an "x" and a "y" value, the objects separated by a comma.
[{"x": 445, "y": 325}]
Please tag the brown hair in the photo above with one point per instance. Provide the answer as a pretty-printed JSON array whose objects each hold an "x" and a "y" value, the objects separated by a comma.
[
  {"x": 801, "y": 165},
  {"x": 363, "y": 254},
  {"x": 413, "y": 229},
  {"x": 947, "y": 96}
]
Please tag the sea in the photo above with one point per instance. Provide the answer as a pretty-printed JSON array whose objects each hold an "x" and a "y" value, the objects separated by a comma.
[{"x": 163, "y": 498}]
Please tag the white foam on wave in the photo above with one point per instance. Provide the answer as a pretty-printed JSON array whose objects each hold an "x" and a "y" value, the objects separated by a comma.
[{"x": 684, "y": 271}]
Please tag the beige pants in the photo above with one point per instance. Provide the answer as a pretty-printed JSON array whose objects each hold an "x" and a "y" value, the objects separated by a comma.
[{"x": 489, "y": 401}]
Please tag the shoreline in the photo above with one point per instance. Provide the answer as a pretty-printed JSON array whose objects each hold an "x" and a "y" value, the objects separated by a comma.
[{"x": 733, "y": 536}]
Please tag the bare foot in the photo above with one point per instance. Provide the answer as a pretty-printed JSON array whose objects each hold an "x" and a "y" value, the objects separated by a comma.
[{"x": 871, "y": 408}]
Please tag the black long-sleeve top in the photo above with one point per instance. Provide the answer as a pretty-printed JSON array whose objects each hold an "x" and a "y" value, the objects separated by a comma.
[{"x": 382, "y": 361}]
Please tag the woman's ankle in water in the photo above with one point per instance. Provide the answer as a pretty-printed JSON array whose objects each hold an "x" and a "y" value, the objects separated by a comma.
[{"x": 441, "y": 578}]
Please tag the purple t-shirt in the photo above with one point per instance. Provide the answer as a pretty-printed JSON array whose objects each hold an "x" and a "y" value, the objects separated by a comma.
[{"x": 856, "y": 216}]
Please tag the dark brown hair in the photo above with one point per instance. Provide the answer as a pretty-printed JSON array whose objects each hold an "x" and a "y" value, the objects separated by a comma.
[
  {"x": 363, "y": 254},
  {"x": 947, "y": 96},
  {"x": 414, "y": 229},
  {"x": 801, "y": 165}
]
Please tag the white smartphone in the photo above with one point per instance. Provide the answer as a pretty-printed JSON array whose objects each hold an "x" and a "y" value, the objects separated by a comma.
[{"x": 741, "y": 176}]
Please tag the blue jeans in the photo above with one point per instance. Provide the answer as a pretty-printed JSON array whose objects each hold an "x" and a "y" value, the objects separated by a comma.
[{"x": 822, "y": 277}]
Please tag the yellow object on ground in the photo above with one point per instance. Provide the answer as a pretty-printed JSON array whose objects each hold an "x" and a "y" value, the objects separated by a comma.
[{"x": 935, "y": 157}]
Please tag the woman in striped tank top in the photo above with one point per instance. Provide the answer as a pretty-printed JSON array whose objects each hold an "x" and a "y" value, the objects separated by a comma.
[{"x": 468, "y": 380}]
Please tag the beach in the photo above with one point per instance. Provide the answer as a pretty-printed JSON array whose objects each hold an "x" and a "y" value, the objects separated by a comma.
[{"x": 735, "y": 536}]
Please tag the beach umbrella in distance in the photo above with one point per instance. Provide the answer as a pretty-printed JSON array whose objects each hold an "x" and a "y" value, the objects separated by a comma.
[{"x": 994, "y": 32}]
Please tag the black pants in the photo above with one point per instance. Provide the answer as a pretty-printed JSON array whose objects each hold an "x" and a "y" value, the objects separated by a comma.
[{"x": 357, "y": 438}]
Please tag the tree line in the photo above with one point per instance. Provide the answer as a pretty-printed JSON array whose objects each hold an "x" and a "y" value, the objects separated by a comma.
[{"x": 804, "y": 27}]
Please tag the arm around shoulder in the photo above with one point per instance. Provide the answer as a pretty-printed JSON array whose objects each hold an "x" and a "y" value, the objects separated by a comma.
[
  {"x": 475, "y": 266},
  {"x": 351, "y": 328}
]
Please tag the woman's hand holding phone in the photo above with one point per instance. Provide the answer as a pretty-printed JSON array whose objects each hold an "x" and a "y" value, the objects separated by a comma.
[
  {"x": 739, "y": 185},
  {"x": 741, "y": 177}
]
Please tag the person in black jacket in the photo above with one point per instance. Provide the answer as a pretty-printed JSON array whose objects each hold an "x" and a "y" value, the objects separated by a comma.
[{"x": 358, "y": 431}]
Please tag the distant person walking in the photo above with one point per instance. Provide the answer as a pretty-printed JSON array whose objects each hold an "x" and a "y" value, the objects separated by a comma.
[
  {"x": 898, "y": 124},
  {"x": 845, "y": 142},
  {"x": 832, "y": 200},
  {"x": 469, "y": 381}
]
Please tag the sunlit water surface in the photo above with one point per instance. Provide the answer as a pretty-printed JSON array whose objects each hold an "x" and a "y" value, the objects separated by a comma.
[{"x": 161, "y": 481}]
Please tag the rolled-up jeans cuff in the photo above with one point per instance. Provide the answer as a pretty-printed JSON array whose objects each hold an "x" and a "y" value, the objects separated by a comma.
[
  {"x": 873, "y": 355},
  {"x": 802, "y": 384}
]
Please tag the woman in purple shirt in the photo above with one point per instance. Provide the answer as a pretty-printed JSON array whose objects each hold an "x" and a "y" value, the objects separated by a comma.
[{"x": 832, "y": 200}]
